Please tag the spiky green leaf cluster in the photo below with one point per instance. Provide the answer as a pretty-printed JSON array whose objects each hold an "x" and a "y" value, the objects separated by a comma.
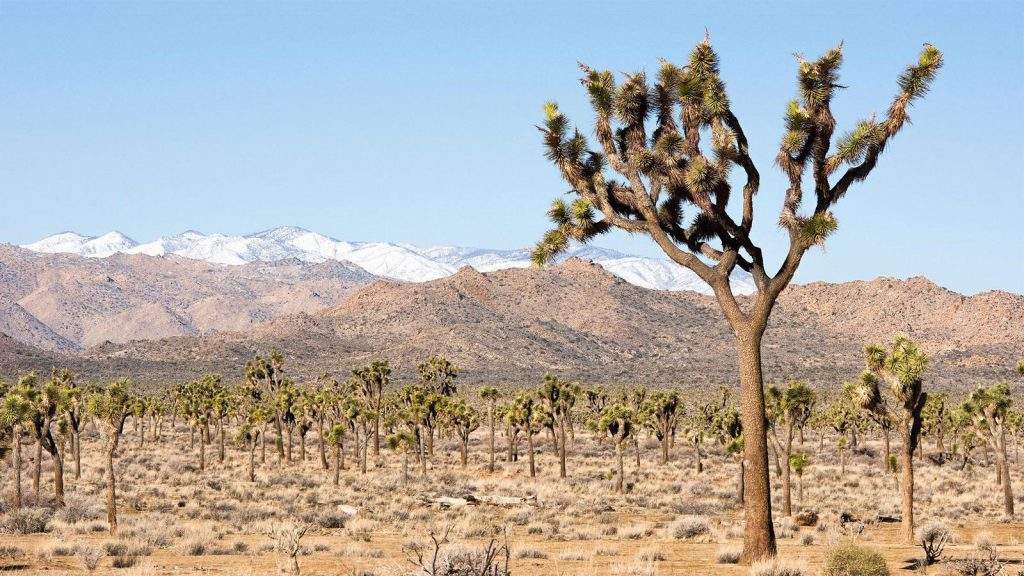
[
  {"x": 916, "y": 79},
  {"x": 816, "y": 229}
]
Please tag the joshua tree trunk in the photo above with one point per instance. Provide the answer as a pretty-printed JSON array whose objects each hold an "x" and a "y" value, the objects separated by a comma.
[
  {"x": 759, "y": 532},
  {"x": 288, "y": 447},
  {"x": 622, "y": 468},
  {"x": 561, "y": 448},
  {"x": 280, "y": 436},
  {"x": 263, "y": 445},
  {"x": 697, "y": 456},
  {"x": 302, "y": 446},
  {"x": 202, "y": 450},
  {"x": 252, "y": 460},
  {"x": 664, "y": 449},
  {"x": 321, "y": 447},
  {"x": 376, "y": 433},
  {"x": 16, "y": 437},
  {"x": 842, "y": 462},
  {"x": 886, "y": 451},
  {"x": 111, "y": 486},
  {"x": 337, "y": 463},
  {"x": 220, "y": 440},
  {"x": 423, "y": 453},
  {"x": 405, "y": 467},
  {"x": 463, "y": 450},
  {"x": 37, "y": 470},
  {"x": 529, "y": 443},
  {"x": 907, "y": 490},
  {"x": 490, "y": 440},
  {"x": 787, "y": 499},
  {"x": 76, "y": 445}
]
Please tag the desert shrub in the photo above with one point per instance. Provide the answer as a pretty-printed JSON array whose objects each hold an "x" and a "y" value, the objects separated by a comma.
[
  {"x": 332, "y": 519},
  {"x": 807, "y": 539},
  {"x": 90, "y": 557},
  {"x": 689, "y": 527},
  {"x": 125, "y": 561},
  {"x": 115, "y": 548},
  {"x": 239, "y": 547},
  {"x": 26, "y": 521},
  {"x": 196, "y": 547},
  {"x": 933, "y": 539},
  {"x": 728, "y": 555},
  {"x": 852, "y": 560},
  {"x": 8, "y": 551},
  {"x": 651, "y": 556},
  {"x": 78, "y": 509},
  {"x": 778, "y": 568},
  {"x": 531, "y": 553}
]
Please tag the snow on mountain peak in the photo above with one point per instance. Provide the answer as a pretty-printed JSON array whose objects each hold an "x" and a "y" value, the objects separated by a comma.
[
  {"x": 390, "y": 260},
  {"x": 88, "y": 246}
]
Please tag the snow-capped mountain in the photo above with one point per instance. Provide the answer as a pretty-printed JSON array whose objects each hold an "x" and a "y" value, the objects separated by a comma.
[
  {"x": 396, "y": 261},
  {"x": 88, "y": 246}
]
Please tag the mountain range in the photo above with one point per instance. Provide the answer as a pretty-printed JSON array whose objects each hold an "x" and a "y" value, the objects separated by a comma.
[
  {"x": 386, "y": 260},
  {"x": 169, "y": 318}
]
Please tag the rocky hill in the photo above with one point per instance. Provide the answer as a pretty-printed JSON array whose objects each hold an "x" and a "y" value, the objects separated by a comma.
[{"x": 578, "y": 320}]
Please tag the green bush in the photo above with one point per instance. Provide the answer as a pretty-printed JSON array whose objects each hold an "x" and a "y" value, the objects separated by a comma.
[{"x": 853, "y": 560}]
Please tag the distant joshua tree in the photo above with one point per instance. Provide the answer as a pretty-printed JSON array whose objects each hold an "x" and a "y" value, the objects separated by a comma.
[
  {"x": 989, "y": 408},
  {"x": 661, "y": 172},
  {"x": 618, "y": 422},
  {"x": 789, "y": 409},
  {"x": 901, "y": 368},
  {"x": 111, "y": 408},
  {"x": 490, "y": 395}
]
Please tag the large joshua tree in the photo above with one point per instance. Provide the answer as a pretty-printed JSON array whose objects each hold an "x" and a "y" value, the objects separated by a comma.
[{"x": 640, "y": 182}]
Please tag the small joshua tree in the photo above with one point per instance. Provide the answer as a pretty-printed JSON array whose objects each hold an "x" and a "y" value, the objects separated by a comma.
[
  {"x": 525, "y": 414},
  {"x": 559, "y": 397},
  {"x": 403, "y": 442},
  {"x": 798, "y": 462},
  {"x": 618, "y": 422},
  {"x": 111, "y": 408},
  {"x": 336, "y": 438},
  {"x": 728, "y": 428},
  {"x": 16, "y": 415},
  {"x": 988, "y": 407},
  {"x": 490, "y": 395},
  {"x": 789, "y": 408},
  {"x": 372, "y": 381},
  {"x": 662, "y": 412},
  {"x": 640, "y": 181},
  {"x": 901, "y": 368}
]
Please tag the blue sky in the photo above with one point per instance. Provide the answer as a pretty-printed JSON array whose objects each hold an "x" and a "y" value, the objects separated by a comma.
[{"x": 415, "y": 122}]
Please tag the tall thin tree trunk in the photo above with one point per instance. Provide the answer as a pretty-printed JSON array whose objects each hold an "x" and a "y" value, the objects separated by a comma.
[
  {"x": 561, "y": 448},
  {"x": 17, "y": 467},
  {"x": 76, "y": 444},
  {"x": 787, "y": 498},
  {"x": 529, "y": 443},
  {"x": 321, "y": 447},
  {"x": 220, "y": 440},
  {"x": 907, "y": 490},
  {"x": 490, "y": 442},
  {"x": 38, "y": 470},
  {"x": 111, "y": 487},
  {"x": 337, "y": 464},
  {"x": 622, "y": 468},
  {"x": 759, "y": 532}
]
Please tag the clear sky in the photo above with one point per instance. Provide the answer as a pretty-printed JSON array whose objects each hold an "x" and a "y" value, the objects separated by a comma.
[{"x": 415, "y": 122}]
